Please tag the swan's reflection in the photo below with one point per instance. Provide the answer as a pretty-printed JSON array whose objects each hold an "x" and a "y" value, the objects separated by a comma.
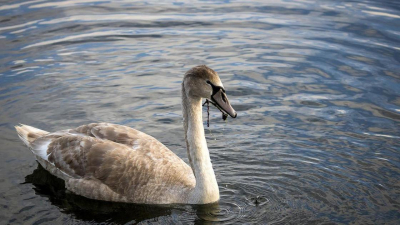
[{"x": 85, "y": 209}]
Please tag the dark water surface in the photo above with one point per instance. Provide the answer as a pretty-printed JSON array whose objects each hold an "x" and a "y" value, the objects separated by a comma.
[{"x": 316, "y": 85}]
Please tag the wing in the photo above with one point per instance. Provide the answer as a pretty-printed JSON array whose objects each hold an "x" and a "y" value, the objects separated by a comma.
[
  {"x": 132, "y": 165},
  {"x": 115, "y": 133}
]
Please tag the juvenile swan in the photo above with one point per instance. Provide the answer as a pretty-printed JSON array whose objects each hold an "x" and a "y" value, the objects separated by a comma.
[{"x": 112, "y": 162}]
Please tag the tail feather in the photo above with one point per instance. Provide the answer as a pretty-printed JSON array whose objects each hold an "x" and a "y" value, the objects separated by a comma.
[{"x": 29, "y": 134}]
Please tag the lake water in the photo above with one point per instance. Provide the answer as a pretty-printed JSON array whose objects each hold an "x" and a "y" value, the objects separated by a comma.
[{"x": 316, "y": 85}]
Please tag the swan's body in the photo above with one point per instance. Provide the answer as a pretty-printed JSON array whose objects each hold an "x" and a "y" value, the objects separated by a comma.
[{"x": 116, "y": 163}]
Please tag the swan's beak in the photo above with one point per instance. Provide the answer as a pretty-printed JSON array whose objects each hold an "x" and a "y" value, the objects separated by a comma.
[{"x": 222, "y": 102}]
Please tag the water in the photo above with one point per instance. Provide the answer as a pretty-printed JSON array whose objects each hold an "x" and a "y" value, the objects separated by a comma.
[{"x": 315, "y": 84}]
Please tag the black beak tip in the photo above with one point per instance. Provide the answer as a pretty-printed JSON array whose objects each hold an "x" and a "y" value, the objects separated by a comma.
[{"x": 234, "y": 116}]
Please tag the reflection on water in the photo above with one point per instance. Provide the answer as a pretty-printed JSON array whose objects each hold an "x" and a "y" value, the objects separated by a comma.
[
  {"x": 90, "y": 210},
  {"x": 315, "y": 84}
]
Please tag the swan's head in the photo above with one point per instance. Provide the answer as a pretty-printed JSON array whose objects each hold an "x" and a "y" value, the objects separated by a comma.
[{"x": 203, "y": 82}]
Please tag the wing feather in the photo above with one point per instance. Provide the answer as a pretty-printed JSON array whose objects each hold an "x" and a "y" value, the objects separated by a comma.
[
  {"x": 131, "y": 164},
  {"x": 113, "y": 132}
]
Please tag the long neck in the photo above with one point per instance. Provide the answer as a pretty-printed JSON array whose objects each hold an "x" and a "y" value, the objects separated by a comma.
[{"x": 206, "y": 190}]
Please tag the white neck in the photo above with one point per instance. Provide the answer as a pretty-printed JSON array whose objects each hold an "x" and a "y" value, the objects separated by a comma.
[{"x": 206, "y": 190}]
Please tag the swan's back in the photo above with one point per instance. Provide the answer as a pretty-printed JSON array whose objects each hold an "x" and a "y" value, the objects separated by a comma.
[{"x": 112, "y": 163}]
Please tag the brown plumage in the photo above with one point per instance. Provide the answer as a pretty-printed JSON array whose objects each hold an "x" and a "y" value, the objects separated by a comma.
[
  {"x": 116, "y": 163},
  {"x": 109, "y": 156}
]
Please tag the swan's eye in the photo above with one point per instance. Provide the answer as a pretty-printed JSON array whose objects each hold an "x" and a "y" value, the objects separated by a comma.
[{"x": 209, "y": 82}]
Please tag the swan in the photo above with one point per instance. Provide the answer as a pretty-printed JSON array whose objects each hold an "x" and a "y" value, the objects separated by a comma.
[{"x": 117, "y": 163}]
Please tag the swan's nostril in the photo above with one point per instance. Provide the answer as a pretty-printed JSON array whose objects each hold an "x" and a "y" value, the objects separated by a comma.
[{"x": 223, "y": 97}]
